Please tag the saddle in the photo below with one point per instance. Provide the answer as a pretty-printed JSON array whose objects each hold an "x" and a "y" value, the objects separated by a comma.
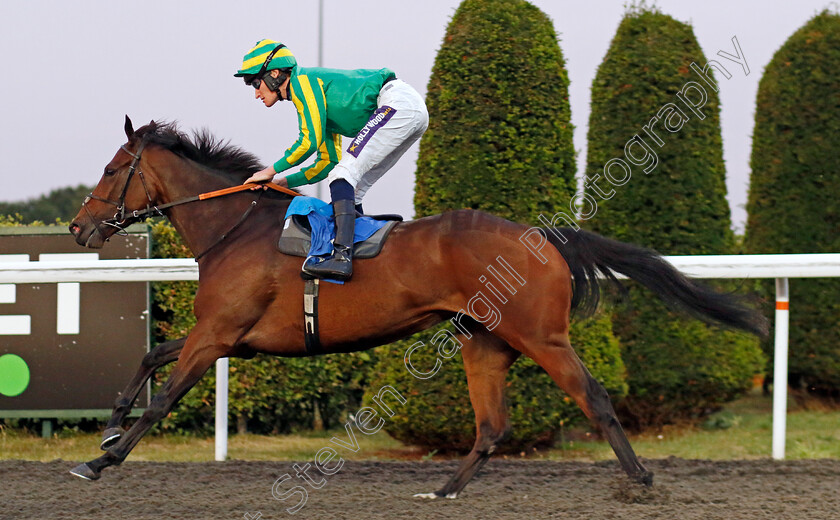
[{"x": 296, "y": 238}]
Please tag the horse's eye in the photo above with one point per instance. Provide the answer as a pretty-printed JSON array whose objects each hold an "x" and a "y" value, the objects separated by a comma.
[{"x": 109, "y": 171}]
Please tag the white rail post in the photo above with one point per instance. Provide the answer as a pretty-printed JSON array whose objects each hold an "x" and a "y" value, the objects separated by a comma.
[
  {"x": 780, "y": 368},
  {"x": 221, "y": 408}
]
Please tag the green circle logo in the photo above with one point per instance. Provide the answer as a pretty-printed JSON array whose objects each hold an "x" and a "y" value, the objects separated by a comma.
[{"x": 14, "y": 375}]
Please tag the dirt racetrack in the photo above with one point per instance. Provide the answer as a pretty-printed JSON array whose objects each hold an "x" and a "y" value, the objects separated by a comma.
[{"x": 683, "y": 489}]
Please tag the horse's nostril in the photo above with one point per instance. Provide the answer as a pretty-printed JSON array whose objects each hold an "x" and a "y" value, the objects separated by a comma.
[{"x": 74, "y": 229}]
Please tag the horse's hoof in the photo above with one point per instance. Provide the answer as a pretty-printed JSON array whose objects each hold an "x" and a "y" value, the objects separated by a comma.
[
  {"x": 436, "y": 494},
  {"x": 645, "y": 478},
  {"x": 110, "y": 437},
  {"x": 84, "y": 471}
]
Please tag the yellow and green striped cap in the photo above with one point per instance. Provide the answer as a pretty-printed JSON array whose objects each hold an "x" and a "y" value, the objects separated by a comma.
[{"x": 253, "y": 61}]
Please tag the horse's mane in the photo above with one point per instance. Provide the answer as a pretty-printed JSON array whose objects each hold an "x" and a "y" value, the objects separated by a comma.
[{"x": 203, "y": 148}]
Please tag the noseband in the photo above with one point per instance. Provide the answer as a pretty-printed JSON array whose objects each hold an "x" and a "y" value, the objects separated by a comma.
[{"x": 122, "y": 218}]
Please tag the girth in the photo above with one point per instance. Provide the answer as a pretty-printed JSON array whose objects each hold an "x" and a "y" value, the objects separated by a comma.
[{"x": 310, "y": 317}]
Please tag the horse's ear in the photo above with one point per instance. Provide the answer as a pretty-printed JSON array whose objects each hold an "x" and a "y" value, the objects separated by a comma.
[
  {"x": 129, "y": 128},
  {"x": 152, "y": 125}
]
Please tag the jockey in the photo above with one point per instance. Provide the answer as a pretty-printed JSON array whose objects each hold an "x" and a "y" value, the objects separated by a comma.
[{"x": 383, "y": 115}]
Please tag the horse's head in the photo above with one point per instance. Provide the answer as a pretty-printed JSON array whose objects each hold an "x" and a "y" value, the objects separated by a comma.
[{"x": 122, "y": 192}]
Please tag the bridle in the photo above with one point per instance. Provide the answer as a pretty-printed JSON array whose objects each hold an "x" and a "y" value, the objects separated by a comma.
[{"x": 124, "y": 218}]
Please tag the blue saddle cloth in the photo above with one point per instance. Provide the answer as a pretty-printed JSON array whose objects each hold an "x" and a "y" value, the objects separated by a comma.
[{"x": 322, "y": 222}]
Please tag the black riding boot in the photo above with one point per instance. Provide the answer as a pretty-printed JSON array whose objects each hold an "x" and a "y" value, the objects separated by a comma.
[{"x": 339, "y": 264}]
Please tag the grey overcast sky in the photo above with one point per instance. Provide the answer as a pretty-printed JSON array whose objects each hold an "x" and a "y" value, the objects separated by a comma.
[{"x": 71, "y": 71}]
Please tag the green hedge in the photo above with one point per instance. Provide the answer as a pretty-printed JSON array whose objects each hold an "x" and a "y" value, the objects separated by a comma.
[
  {"x": 267, "y": 394},
  {"x": 500, "y": 136},
  {"x": 676, "y": 367},
  {"x": 500, "y": 140},
  {"x": 793, "y": 202},
  {"x": 59, "y": 205}
]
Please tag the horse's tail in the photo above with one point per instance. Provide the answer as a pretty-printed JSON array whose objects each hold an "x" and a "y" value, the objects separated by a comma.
[{"x": 589, "y": 254}]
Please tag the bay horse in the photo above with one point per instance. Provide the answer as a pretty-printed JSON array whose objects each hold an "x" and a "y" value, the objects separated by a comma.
[{"x": 249, "y": 298}]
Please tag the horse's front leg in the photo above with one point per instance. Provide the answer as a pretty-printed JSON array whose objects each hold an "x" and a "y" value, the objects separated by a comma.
[
  {"x": 196, "y": 358},
  {"x": 161, "y": 355}
]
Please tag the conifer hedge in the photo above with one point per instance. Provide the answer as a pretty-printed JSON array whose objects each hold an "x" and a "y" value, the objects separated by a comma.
[
  {"x": 793, "y": 202},
  {"x": 500, "y": 140},
  {"x": 669, "y": 196},
  {"x": 500, "y": 136}
]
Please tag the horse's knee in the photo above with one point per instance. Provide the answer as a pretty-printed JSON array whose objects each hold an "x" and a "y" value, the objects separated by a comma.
[
  {"x": 150, "y": 360},
  {"x": 122, "y": 402},
  {"x": 163, "y": 354}
]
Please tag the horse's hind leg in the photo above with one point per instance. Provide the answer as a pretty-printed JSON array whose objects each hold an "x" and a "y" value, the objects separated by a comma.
[
  {"x": 563, "y": 365},
  {"x": 161, "y": 355},
  {"x": 486, "y": 361}
]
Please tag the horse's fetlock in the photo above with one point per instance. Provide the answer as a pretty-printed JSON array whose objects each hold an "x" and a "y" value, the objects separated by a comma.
[
  {"x": 488, "y": 435},
  {"x": 506, "y": 433}
]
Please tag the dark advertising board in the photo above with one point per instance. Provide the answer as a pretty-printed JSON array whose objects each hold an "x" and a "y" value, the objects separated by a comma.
[{"x": 68, "y": 349}]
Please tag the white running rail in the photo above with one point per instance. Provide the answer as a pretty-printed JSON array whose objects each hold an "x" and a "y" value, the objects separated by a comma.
[{"x": 780, "y": 267}]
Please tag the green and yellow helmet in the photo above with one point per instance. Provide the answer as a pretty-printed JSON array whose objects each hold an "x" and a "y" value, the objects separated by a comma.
[{"x": 257, "y": 59}]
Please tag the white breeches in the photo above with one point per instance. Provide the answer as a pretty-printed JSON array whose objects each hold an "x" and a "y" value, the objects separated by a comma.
[{"x": 400, "y": 119}]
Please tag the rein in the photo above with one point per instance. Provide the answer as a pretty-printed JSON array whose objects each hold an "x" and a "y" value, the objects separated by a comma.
[{"x": 123, "y": 218}]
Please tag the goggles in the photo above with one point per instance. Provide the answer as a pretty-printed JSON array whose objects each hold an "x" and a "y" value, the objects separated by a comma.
[{"x": 253, "y": 81}]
